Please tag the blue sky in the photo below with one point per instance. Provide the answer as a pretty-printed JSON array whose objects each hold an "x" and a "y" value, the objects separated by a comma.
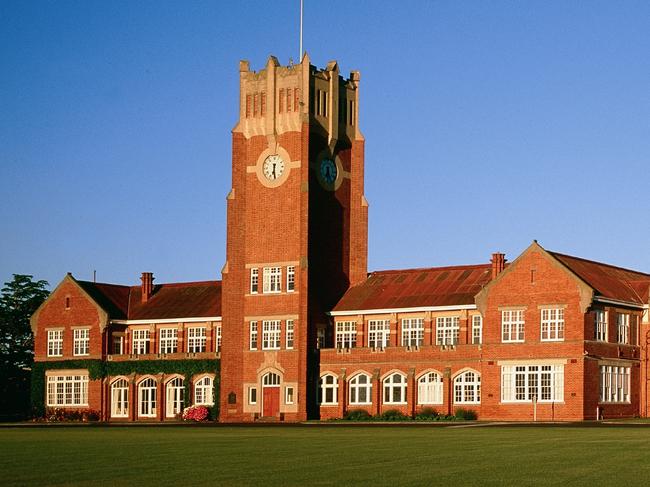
[{"x": 487, "y": 125}]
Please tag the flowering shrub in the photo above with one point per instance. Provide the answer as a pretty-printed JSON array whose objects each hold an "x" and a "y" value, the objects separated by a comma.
[
  {"x": 195, "y": 413},
  {"x": 57, "y": 415}
]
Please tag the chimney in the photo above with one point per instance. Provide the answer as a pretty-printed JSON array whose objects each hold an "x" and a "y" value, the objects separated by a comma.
[
  {"x": 498, "y": 263},
  {"x": 147, "y": 285}
]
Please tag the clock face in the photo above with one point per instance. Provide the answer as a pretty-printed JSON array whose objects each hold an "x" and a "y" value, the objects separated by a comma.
[
  {"x": 273, "y": 167},
  {"x": 328, "y": 171}
]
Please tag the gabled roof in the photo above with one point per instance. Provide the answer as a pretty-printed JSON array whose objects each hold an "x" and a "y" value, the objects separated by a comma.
[
  {"x": 174, "y": 300},
  {"x": 609, "y": 281},
  {"x": 414, "y": 288}
]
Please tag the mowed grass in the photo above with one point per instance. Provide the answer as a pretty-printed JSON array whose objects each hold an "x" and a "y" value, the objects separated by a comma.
[{"x": 326, "y": 455}]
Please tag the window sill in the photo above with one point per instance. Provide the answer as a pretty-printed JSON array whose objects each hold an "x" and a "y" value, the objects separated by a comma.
[
  {"x": 360, "y": 404},
  {"x": 329, "y": 404}
]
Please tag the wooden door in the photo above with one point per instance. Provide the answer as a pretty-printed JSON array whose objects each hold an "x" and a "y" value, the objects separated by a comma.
[{"x": 271, "y": 404}]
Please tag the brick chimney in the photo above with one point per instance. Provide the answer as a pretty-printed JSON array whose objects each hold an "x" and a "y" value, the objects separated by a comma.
[
  {"x": 498, "y": 263},
  {"x": 147, "y": 285}
]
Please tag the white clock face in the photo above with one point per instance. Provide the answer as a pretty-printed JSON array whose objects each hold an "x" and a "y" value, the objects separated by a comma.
[{"x": 273, "y": 167}]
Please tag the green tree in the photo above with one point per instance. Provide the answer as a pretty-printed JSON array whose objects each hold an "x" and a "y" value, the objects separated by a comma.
[{"x": 19, "y": 299}]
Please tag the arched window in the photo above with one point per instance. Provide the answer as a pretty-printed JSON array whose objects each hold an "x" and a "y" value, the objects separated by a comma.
[
  {"x": 329, "y": 386},
  {"x": 430, "y": 388},
  {"x": 175, "y": 393},
  {"x": 395, "y": 389},
  {"x": 361, "y": 389},
  {"x": 147, "y": 398},
  {"x": 271, "y": 379},
  {"x": 120, "y": 398},
  {"x": 204, "y": 392},
  {"x": 467, "y": 388}
]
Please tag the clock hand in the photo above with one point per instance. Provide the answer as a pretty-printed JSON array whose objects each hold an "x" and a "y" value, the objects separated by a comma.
[{"x": 274, "y": 171}]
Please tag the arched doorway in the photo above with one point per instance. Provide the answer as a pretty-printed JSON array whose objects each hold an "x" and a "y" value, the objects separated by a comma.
[{"x": 270, "y": 395}]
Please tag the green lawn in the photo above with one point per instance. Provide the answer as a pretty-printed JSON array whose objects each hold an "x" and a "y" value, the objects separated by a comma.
[{"x": 326, "y": 455}]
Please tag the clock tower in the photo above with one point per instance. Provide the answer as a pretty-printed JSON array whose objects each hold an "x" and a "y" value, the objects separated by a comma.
[{"x": 296, "y": 235}]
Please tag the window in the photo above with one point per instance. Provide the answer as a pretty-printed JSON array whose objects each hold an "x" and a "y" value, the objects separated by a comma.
[
  {"x": 477, "y": 329},
  {"x": 252, "y": 395},
  {"x": 255, "y": 104},
  {"x": 289, "y": 335},
  {"x": 447, "y": 330},
  {"x": 361, "y": 389},
  {"x": 118, "y": 344},
  {"x": 378, "y": 333},
  {"x": 412, "y": 332},
  {"x": 395, "y": 389},
  {"x": 320, "y": 338},
  {"x": 204, "y": 391},
  {"x": 623, "y": 328},
  {"x": 524, "y": 383},
  {"x": 281, "y": 100},
  {"x": 218, "y": 332},
  {"x": 263, "y": 103},
  {"x": 430, "y": 388},
  {"x": 467, "y": 388},
  {"x": 553, "y": 325},
  {"x": 253, "y": 335},
  {"x": 67, "y": 302},
  {"x": 168, "y": 340},
  {"x": 272, "y": 278},
  {"x": 614, "y": 383},
  {"x": 175, "y": 393},
  {"x": 271, "y": 379},
  {"x": 346, "y": 334},
  {"x": 140, "y": 341},
  {"x": 67, "y": 390},
  {"x": 291, "y": 278},
  {"x": 81, "y": 341},
  {"x": 600, "y": 325},
  {"x": 512, "y": 325},
  {"x": 271, "y": 335},
  {"x": 147, "y": 398},
  {"x": 296, "y": 99},
  {"x": 196, "y": 339},
  {"x": 54, "y": 343},
  {"x": 248, "y": 106},
  {"x": 329, "y": 388},
  {"x": 120, "y": 398},
  {"x": 351, "y": 112},
  {"x": 288, "y": 99},
  {"x": 255, "y": 280},
  {"x": 288, "y": 391}
]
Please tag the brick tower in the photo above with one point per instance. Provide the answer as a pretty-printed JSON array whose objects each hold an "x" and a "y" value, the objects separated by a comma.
[{"x": 296, "y": 234}]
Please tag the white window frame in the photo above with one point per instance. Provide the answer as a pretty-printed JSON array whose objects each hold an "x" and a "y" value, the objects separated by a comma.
[
  {"x": 204, "y": 391},
  {"x": 175, "y": 397},
  {"x": 289, "y": 396},
  {"x": 395, "y": 388},
  {"x": 477, "y": 330},
  {"x": 513, "y": 325},
  {"x": 197, "y": 339},
  {"x": 81, "y": 341},
  {"x": 271, "y": 332},
  {"x": 67, "y": 390},
  {"x": 378, "y": 333},
  {"x": 117, "y": 345},
  {"x": 255, "y": 280},
  {"x": 54, "y": 343},
  {"x": 346, "y": 334},
  {"x": 147, "y": 398},
  {"x": 526, "y": 382},
  {"x": 272, "y": 280},
  {"x": 329, "y": 390},
  {"x": 412, "y": 332},
  {"x": 623, "y": 328},
  {"x": 600, "y": 325},
  {"x": 140, "y": 341},
  {"x": 467, "y": 388},
  {"x": 356, "y": 386},
  {"x": 291, "y": 278},
  {"x": 430, "y": 388},
  {"x": 552, "y": 324},
  {"x": 447, "y": 330},
  {"x": 253, "y": 334},
  {"x": 120, "y": 398},
  {"x": 615, "y": 384},
  {"x": 218, "y": 333},
  {"x": 289, "y": 334},
  {"x": 252, "y": 395},
  {"x": 168, "y": 340}
]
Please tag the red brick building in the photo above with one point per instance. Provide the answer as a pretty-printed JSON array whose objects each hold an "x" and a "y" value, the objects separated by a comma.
[{"x": 298, "y": 329}]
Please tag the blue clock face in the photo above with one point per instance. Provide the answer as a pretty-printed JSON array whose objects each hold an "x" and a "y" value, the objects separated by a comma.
[{"x": 328, "y": 171}]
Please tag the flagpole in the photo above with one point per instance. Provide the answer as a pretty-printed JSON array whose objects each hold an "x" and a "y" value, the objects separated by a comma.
[{"x": 300, "y": 53}]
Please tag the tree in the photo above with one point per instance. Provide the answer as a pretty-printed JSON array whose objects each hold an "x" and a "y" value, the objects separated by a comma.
[{"x": 19, "y": 299}]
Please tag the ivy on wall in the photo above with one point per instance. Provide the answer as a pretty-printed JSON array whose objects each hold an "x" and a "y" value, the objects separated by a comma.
[{"x": 98, "y": 369}]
